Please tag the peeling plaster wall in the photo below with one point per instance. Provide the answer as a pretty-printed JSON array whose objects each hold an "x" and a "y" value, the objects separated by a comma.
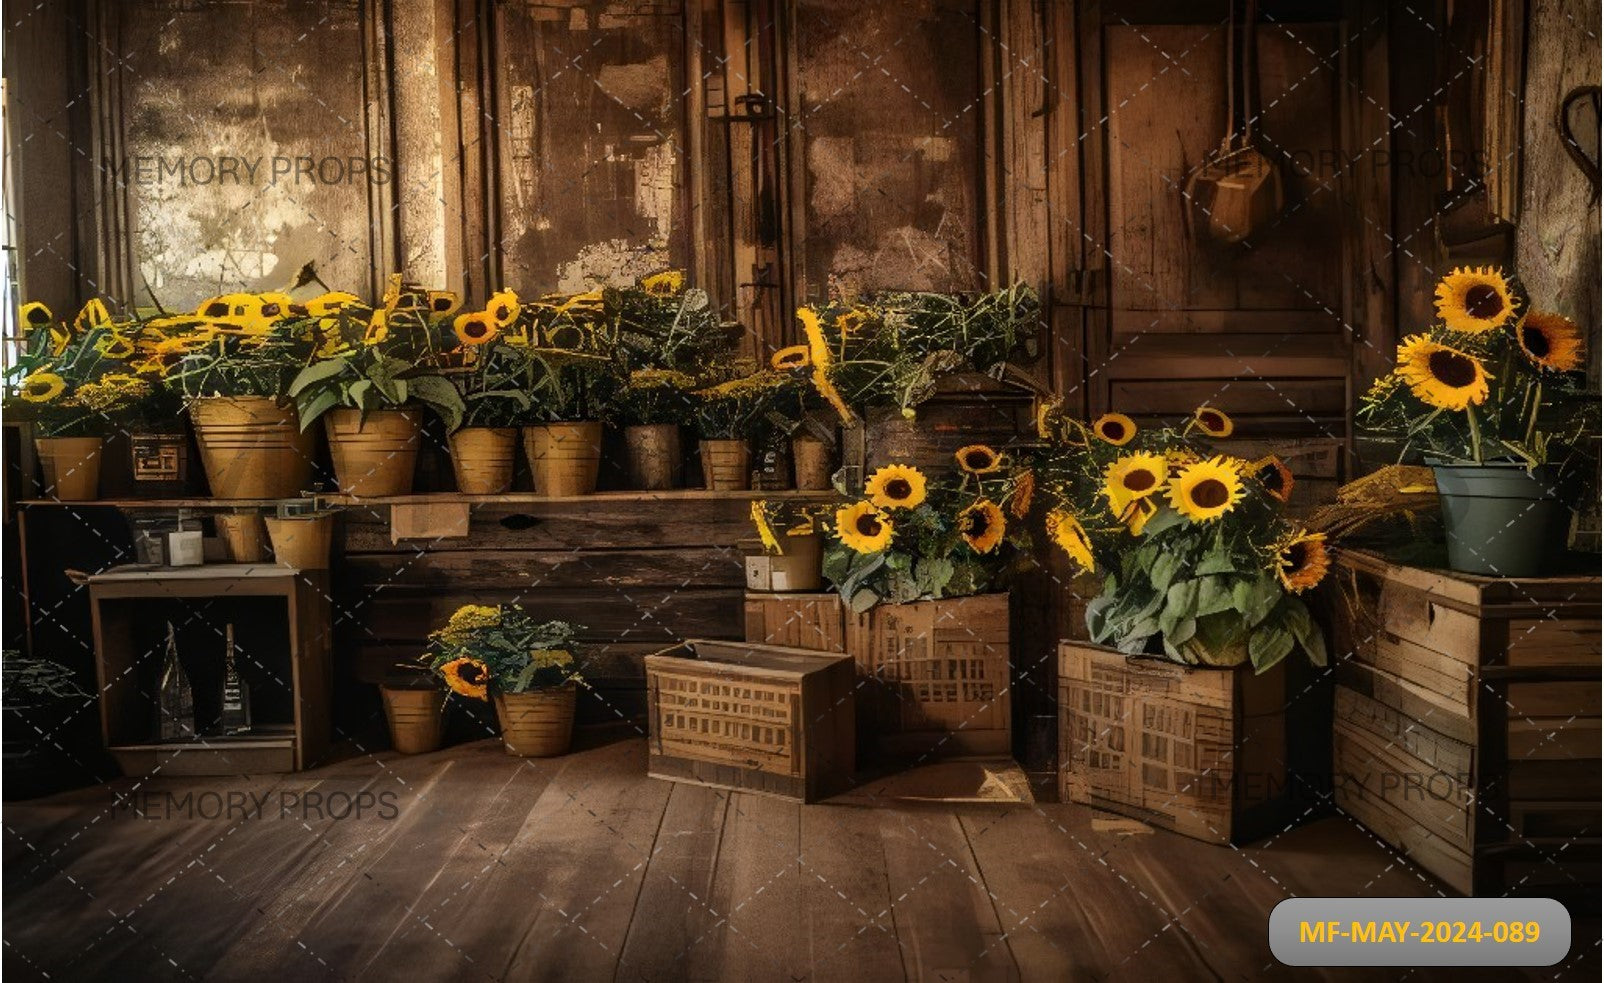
[
  {"x": 246, "y": 151},
  {"x": 592, "y": 142},
  {"x": 892, "y": 124}
]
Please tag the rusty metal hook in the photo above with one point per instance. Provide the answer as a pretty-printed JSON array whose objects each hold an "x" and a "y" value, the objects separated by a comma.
[{"x": 1589, "y": 166}]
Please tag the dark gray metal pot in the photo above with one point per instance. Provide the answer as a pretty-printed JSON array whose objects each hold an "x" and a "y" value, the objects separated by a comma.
[{"x": 1502, "y": 520}]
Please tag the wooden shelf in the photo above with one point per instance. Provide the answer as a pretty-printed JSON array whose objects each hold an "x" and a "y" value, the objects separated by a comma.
[{"x": 438, "y": 498}]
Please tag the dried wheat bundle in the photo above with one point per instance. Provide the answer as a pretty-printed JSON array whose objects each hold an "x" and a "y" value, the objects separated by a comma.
[{"x": 1396, "y": 490}]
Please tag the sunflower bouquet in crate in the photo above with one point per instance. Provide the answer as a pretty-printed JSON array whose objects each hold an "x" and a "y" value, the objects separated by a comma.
[
  {"x": 915, "y": 536},
  {"x": 1200, "y": 562},
  {"x": 1492, "y": 399},
  {"x": 526, "y": 667}
]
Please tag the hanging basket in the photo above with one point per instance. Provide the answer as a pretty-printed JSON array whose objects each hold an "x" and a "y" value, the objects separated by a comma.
[
  {"x": 251, "y": 447},
  {"x": 483, "y": 458},
  {"x": 377, "y": 456},
  {"x": 539, "y": 723},
  {"x": 70, "y": 467},
  {"x": 564, "y": 457}
]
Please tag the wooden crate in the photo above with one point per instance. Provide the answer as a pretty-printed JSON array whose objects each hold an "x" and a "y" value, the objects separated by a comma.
[
  {"x": 758, "y": 718},
  {"x": 933, "y": 676},
  {"x": 1468, "y": 722},
  {"x": 1211, "y": 753}
]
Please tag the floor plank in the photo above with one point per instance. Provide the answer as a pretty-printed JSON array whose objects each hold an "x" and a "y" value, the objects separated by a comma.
[
  {"x": 674, "y": 907},
  {"x": 847, "y": 902}
]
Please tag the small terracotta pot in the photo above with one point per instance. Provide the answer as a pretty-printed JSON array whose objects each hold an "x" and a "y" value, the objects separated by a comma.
[
  {"x": 245, "y": 535},
  {"x": 655, "y": 456},
  {"x": 377, "y": 456},
  {"x": 539, "y": 723},
  {"x": 810, "y": 457},
  {"x": 726, "y": 465},
  {"x": 302, "y": 541},
  {"x": 414, "y": 716},
  {"x": 251, "y": 447},
  {"x": 482, "y": 458},
  {"x": 564, "y": 457},
  {"x": 70, "y": 467}
]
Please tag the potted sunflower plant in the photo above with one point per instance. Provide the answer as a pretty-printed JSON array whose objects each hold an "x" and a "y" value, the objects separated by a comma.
[
  {"x": 376, "y": 369},
  {"x": 490, "y": 376},
  {"x": 572, "y": 375},
  {"x": 1491, "y": 398},
  {"x": 654, "y": 404},
  {"x": 730, "y": 415},
  {"x": 1200, "y": 605},
  {"x": 501, "y": 654}
]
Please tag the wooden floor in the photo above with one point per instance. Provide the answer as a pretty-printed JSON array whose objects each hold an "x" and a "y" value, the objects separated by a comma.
[{"x": 471, "y": 865}]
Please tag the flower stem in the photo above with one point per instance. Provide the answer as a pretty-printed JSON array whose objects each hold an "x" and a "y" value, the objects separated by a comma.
[{"x": 1475, "y": 434}]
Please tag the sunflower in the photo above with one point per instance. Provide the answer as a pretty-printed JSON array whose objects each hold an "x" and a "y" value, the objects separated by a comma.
[
  {"x": 1475, "y": 300},
  {"x": 1208, "y": 489},
  {"x": 115, "y": 346},
  {"x": 1273, "y": 476},
  {"x": 42, "y": 387},
  {"x": 1115, "y": 428},
  {"x": 476, "y": 329},
  {"x": 1551, "y": 341},
  {"x": 93, "y": 315},
  {"x": 1212, "y": 421},
  {"x": 1024, "y": 492},
  {"x": 503, "y": 307},
  {"x": 329, "y": 303},
  {"x": 863, "y": 527},
  {"x": 1135, "y": 515},
  {"x": 1301, "y": 560},
  {"x": 896, "y": 486},
  {"x": 978, "y": 459},
  {"x": 444, "y": 302},
  {"x": 819, "y": 358},
  {"x": 467, "y": 676},
  {"x": 35, "y": 315},
  {"x": 982, "y": 525},
  {"x": 1439, "y": 376},
  {"x": 665, "y": 284},
  {"x": 794, "y": 357},
  {"x": 274, "y": 306},
  {"x": 1071, "y": 537},
  {"x": 1133, "y": 476}
]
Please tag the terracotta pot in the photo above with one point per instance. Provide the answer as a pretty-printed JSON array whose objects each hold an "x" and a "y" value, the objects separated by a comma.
[
  {"x": 70, "y": 467},
  {"x": 654, "y": 456},
  {"x": 376, "y": 456},
  {"x": 483, "y": 458},
  {"x": 245, "y": 536},
  {"x": 564, "y": 457},
  {"x": 726, "y": 465},
  {"x": 414, "y": 716},
  {"x": 811, "y": 459},
  {"x": 539, "y": 723},
  {"x": 251, "y": 448},
  {"x": 302, "y": 541}
]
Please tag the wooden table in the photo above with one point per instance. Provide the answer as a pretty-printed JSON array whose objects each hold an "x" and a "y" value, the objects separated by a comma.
[{"x": 119, "y": 597}]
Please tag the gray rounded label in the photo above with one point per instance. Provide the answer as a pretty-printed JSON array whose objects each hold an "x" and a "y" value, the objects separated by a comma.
[{"x": 1420, "y": 932}]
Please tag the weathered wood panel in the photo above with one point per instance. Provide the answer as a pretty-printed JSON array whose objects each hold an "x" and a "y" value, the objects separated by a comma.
[
  {"x": 888, "y": 127},
  {"x": 591, "y": 143}
]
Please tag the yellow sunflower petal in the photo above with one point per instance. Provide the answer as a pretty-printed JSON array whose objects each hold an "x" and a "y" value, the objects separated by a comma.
[
  {"x": 1212, "y": 421},
  {"x": 982, "y": 526},
  {"x": 863, "y": 528},
  {"x": 978, "y": 459},
  {"x": 1474, "y": 300},
  {"x": 1550, "y": 341},
  {"x": 1301, "y": 560},
  {"x": 896, "y": 486},
  {"x": 1115, "y": 428},
  {"x": 1440, "y": 376},
  {"x": 1066, "y": 530},
  {"x": 1207, "y": 490}
]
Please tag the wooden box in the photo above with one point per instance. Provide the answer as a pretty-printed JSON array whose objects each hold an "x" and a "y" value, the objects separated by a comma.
[
  {"x": 933, "y": 675},
  {"x": 936, "y": 675},
  {"x": 758, "y": 718},
  {"x": 795, "y": 570},
  {"x": 1468, "y": 722},
  {"x": 1201, "y": 751}
]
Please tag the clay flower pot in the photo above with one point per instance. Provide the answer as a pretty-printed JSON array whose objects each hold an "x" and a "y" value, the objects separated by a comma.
[
  {"x": 415, "y": 718},
  {"x": 70, "y": 467},
  {"x": 302, "y": 541},
  {"x": 377, "y": 456},
  {"x": 539, "y": 723},
  {"x": 482, "y": 458},
  {"x": 726, "y": 465},
  {"x": 564, "y": 457},
  {"x": 654, "y": 456},
  {"x": 251, "y": 447}
]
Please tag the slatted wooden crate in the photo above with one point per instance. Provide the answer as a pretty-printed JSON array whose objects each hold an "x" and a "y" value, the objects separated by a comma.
[
  {"x": 1468, "y": 722},
  {"x": 1200, "y": 751},
  {"x": 759, "y": 718},
  {"x": 933, "y": 675}
]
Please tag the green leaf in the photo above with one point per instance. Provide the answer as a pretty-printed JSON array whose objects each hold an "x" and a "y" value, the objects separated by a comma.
[
  {"x": 1165, "y": 566},
  {"x": 1254, "y": 598},
  {"x": 320, "y": 402},
  {"x": 1097, "y": 616},
  {"x": 1268, "y": 645},
  {"x": 933, "y": 573},
  {"x": 1217, "y": 560},
  {"x": 1214, "y": 595},
  {"x": 1184, "y": 631},
  {"x": 863, "y": 600},
  {"x": 361, "y": 393},
  {"x": 1182, "y": 598},
  {"x": 315, "y": 373},
  {"x": 1162, "y": 521}
]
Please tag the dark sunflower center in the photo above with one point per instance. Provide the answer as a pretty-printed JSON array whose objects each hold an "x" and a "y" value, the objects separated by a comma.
[
  {"x": 1483, "y": 302},
  {"x": 1296, "y": 555},
  {"x": 1271, "y": 477},
  {"x": 1211, "y": 493},
  {"x": 868, "y": 525},
  {"x": 1536, "y": 342},
  {"x": 476, "y": 329},
  {"x": 1452, "y": 369},
  {"x": 1139, "y": 481},
  {"x": 978, "y": 460},
  {"x": 1113, "y": 430},
  {"x": 501, "y": 312},
  {"x": 38, "y": 388},
  {"x": 216, "y": 309},
  {"x": 442, "y": 304},
  {"x": 976, "y": 523},
  {"x": 471, "y": 674},
  {"x": 271, "y": 310},
  {"x": 38, "y": 316},
  {"x": 898, "y": 488},
  {"x": 1211, "y": 420}
]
